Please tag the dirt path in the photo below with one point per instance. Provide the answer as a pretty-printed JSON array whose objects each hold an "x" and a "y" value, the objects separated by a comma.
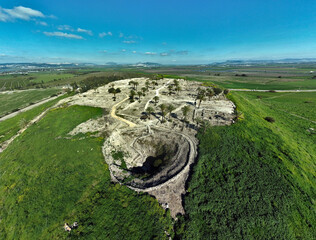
[
  {"x": 11, "y": 115},
  {"x": 113, "y": 114},
  {"x": 157, "y": 94},
  {"x": 5, "y": 144}
]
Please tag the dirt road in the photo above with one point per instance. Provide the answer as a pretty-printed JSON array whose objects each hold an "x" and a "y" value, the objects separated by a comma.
[
  {"x": 113, "y": 114},
  {"x": 11, "y": 115}
]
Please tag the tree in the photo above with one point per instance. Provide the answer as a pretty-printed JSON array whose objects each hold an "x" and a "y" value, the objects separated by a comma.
[
  {"x": 154, "y": 83},
  {"x": 170, "y": 88},
  {"x": 135, "y": 85},
  {"x": 185, "y": 110},
  {"x": 139, "y": 93},
  {"x": 210, "y": 93},
  {"x": 147, "y": 83},
  {"x": 226, "y": 91},
  {"x": 131, "y": 83},
  {"x": 178, "y": 88},
  {"x": 170, "y": 109},
  {"x": 200, "y": 97},
  {"x": 156, "y": 99},
  {"x": 149, "y": 111},
  {"x": 163, "y": 109},
  {"x": 217, "y": 91},
  {"x": 144, "y": 90},
  {"x": 132, "y": 95},
  {"x": 114, "y": 91},
  {"x": 198, "y": 120},
  {"x": 176, "y": 82}
]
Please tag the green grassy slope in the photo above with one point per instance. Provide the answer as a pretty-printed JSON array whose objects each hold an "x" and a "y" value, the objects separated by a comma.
[
  {"x": 47, "y": 180},
  {"x": 254, "y": 179},
  {"x": 11, "y": 126},
  {"x": 12, "y": 101}
]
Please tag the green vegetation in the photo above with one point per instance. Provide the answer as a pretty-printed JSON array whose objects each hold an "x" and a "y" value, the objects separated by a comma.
[
  {"x": 31, "y": 80},
  {"x": 48, "y": 77},
  {"x": 254, "y": 179},
  {"x": 47, "y": 180},
  {"x": 14, "y": 101},
  {"x": 11, "y": 126}
]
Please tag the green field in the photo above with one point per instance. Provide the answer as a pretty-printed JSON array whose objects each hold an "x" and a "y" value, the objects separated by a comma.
[
  {"x": 47, "y": 180},
  {"x": 18, "y": 100},
  {"x": 256, "y": 77},
  {"x": 255, "y": 179},
  {"x": 31, "y": 80},
  {"x": 11, "y": 126},
  {"x": 48, "y": 77}
]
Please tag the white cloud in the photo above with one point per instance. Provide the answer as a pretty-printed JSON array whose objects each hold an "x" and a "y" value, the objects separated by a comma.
[
  {"x": 42, "y": 23},
  {"x": 65, "y": 28},
  {"x": 174, "y": 52},
  {"x": 3, "y": 16},
  {"x": 123, "y": 50},
  {"x": 89, "y": 32},
  {"x": 62, "y": 34},
  {"x": 19, "y": 12},
  {"x": 103, "y": 51},
  {"x": 129, "y": 42},
  {"x": 150, "y": 53},
  {"x": 103, "y": 34},
  {"x": 134, "y": 52}
]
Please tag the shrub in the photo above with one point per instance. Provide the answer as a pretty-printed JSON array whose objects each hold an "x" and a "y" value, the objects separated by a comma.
[{"x": 269, "y": 119}]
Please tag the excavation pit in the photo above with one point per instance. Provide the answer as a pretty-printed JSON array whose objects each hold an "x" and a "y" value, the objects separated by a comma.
[{"x": 151, "y": 158}]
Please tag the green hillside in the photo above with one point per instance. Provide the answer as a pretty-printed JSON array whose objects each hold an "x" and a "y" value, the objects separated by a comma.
[
  {"x": 47, "y": 180},
  {"x": 255, "y": 179}
]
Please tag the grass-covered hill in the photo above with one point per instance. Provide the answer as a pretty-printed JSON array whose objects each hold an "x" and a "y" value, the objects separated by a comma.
[
  {"x": 255, "y": 179},
  {"x": 252, "y": 180},
  {"x": 47, "y": 180}
]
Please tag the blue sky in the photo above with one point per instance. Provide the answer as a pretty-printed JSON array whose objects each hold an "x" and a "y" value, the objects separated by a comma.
[{"x": 170, "y": 32}]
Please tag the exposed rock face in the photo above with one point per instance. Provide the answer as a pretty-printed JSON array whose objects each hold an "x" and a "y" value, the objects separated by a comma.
[
  {"x": 157, "y": 162},
  {"x": 153, "y": 152},
  {"x": 162, "y": 155}
]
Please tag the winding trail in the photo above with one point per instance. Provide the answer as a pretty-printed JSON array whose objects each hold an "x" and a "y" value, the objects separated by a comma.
[
  {"x": 157, "y": 94},
  {"x": 113, "y": 114}
]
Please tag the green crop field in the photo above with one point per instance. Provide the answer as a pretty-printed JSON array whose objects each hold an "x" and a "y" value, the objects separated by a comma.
[
  {"x": 17, "y": 100},
  {"x": 48, "y": 77},
  {"x": 25, "y": 81},
  {"x": 255, "y": 179},
  {"x": 47, "y": 180},
  {"x": 258, "y": 82}
]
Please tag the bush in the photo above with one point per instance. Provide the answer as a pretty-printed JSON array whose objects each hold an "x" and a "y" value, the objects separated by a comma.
[
  {"x": 269, "y": 119},
  {"x": 217, "y": 91}
]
